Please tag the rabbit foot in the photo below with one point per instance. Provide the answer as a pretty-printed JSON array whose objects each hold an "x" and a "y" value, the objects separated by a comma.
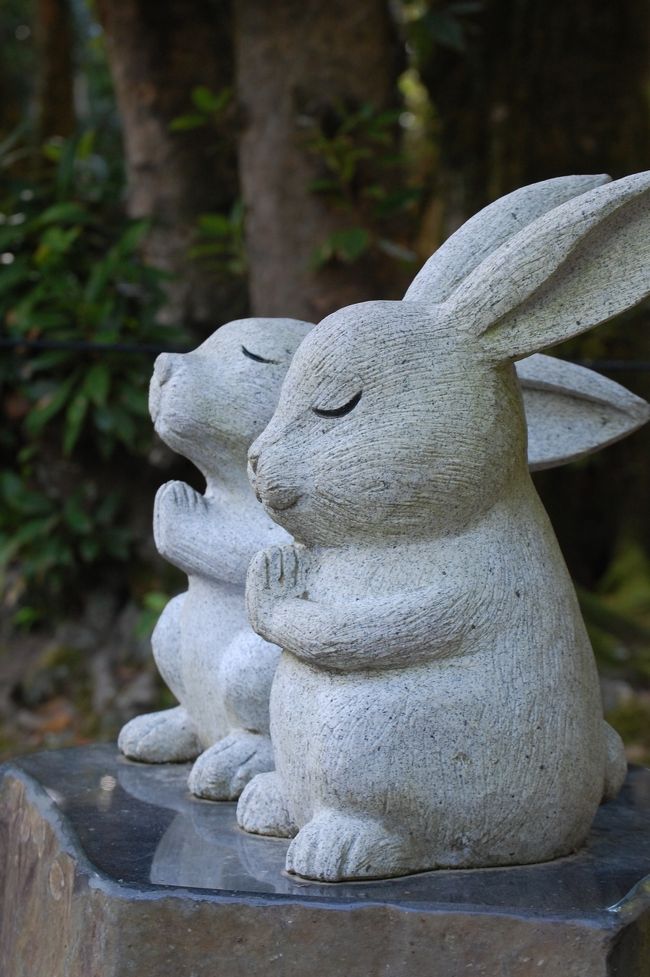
[
  {"x": 615, "y": 764},
  {"x": 262, "y": 809},
  {"x": 334, "y": 846},
  {"x": 223, "y": 770},
  {"x": 160, "y": 737}
]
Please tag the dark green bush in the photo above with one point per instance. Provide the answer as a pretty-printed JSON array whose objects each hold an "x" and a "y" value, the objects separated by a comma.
[{"x": 75, "y": 416}]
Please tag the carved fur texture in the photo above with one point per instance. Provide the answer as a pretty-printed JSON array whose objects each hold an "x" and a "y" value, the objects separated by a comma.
[
  {"x": 209, "y": 405},
  {"x": 437, "y": 702}
]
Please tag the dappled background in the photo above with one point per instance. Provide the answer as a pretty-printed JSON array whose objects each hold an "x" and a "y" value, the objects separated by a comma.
[{"x": 168, "y": 166}]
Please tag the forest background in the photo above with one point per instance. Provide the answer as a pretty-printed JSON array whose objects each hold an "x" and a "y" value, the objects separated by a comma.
[{"x": 169, "y": 165}]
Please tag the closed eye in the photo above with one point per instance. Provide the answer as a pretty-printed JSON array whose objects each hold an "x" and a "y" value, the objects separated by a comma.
[
  {"x": 339, "y": 411},
  {"x": 254, "y": 356}
]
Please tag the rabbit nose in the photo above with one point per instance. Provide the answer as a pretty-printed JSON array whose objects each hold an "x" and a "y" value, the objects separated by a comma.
[{"x": 164, "y": 367}]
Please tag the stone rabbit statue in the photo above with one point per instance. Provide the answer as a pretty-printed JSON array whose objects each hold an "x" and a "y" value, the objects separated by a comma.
[
  {"x": 437, "y": 703},
  {"x": 209, "y": 405}
]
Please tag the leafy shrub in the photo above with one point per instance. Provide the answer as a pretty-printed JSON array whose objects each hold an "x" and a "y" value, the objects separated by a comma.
[
  {"x": 76, "y": 302},
  {"x": 355, "y": 149}
]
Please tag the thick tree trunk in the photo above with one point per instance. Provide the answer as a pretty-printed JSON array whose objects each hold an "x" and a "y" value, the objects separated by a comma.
[
  {"x": 54, "y": 91},
  {"x": 159, "y": 52},
  {"x": 301, "y": 66}
]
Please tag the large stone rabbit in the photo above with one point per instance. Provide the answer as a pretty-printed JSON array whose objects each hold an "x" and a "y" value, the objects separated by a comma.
[
  {"x": 436, "y": 703},
  {"x": 209, "y": 405}
]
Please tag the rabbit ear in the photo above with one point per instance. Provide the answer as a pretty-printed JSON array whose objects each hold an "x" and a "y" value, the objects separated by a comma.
[
  {"x": 571, "y": 269},
  {"x": 488, "y": 230},
  {"x": 572, "y": 411}
]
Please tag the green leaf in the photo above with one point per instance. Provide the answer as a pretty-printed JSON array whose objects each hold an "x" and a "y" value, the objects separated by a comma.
[
  {"x": 74, "y": 419},
  {"x": 49, "y": 360},
  {"x": 49, "y": 406},
  {"x": 14, "y": 275},
  {"x": 76, "y": 517},
  {"x": 132, "y": 237},
  {"x": 86, "y": 144},
  {"x": 66, "y": 212},
  {"x": 215, "y": 224},
  {"x": 97, "y": 383},
  {"x": 222, "y": 100},
  {"x": 156, "y": 601},
  {"x": 136, "y": 400},
  {"x": 55, "y": 243},
  {"x": 324, "y": 186},
  {"x": 183, "y": 123},
  {"x": 123, "y": 426},
  {"x": 30, "y": 531},
  {"x": 12, "y": 488},
  {"x": 350, "y": 244},
  {"x": 18, "y": 497},
  {"x": 203, "y": 99},
  {"x": 25, "y": 617}
]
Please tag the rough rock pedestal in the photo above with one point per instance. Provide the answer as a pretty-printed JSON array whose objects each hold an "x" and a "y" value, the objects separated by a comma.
[{"x": 110, "y": 869}]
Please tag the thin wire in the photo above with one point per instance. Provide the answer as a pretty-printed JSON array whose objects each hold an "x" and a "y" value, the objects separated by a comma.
[{"x": 75, "y": 345}]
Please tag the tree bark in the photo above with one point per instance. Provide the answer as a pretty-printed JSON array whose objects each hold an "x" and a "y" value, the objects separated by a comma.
[
  {"x": 54, "y": 92},
  {"x": 158, "y": 53},
  {"x": 301, "y": 65}
]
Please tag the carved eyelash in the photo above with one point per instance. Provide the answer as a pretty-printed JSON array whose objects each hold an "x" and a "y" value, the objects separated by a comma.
[
  {"x": 254, "y": 356},
  {"x": 339, "y": 411}
]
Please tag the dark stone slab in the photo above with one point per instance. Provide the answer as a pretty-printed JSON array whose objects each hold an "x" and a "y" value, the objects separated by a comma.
[{"x": 110, "y": 868}]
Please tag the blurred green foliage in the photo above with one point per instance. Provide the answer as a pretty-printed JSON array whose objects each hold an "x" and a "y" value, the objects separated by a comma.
[
  {"x": 71, "y": 274},
  {"x": 219, "y": 238},
  {"x": 355, "y": 149},
  {"x": 618, "y": 614},
  {"x": 208, "y": 109}
]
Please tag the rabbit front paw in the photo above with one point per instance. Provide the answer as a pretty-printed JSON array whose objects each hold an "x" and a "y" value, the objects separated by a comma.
[
  {"x": 274, "y": 576},
  {"x": 262, "y": 808},
  {"x": 334, "y": 846},
  {"x": 223, "y": 770},
  {"x": 179, "y": 513},
  {"x": 160, "y": 737}
]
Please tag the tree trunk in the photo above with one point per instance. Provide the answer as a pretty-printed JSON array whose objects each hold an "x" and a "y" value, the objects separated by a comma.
[
  {"x": 159, "y": 53},
  {"x": 303, "y": 67},
  {"x": 54, "y": 92}
]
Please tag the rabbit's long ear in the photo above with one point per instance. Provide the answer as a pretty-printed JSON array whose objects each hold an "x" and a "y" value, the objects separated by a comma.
[
  {"x": 488, "y": 230},
  {"x": 572, "y": 411},
  {"x": 571, "y": 269}
]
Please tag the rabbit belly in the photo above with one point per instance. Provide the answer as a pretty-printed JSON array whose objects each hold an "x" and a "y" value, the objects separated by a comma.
[
  {"x": 213, "y": 616},
  {"x": 467, "y": 760}
]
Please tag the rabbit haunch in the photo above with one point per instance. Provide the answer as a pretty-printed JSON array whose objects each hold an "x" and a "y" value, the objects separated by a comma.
[
  {"x": 437, "y": 703},
  {"x": 209, "y": 405}
]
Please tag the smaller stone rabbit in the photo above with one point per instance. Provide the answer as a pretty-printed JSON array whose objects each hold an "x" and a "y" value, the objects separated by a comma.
[
  {"x": 209, "y": 405},
  {"x": 437, "y": 703}
]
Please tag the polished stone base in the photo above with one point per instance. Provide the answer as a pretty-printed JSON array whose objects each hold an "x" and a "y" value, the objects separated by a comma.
[{"x": 111, "y": 869}]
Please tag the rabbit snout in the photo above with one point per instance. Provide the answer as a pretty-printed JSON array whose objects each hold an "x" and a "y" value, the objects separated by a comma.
[
  {"x": 265, "y": 475},
  {"x": 164, "y": 367},
  {"x": 272, "y": 491}
]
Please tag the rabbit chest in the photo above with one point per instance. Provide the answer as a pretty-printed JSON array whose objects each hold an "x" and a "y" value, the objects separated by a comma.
[{"x": 515, "y": 688}]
